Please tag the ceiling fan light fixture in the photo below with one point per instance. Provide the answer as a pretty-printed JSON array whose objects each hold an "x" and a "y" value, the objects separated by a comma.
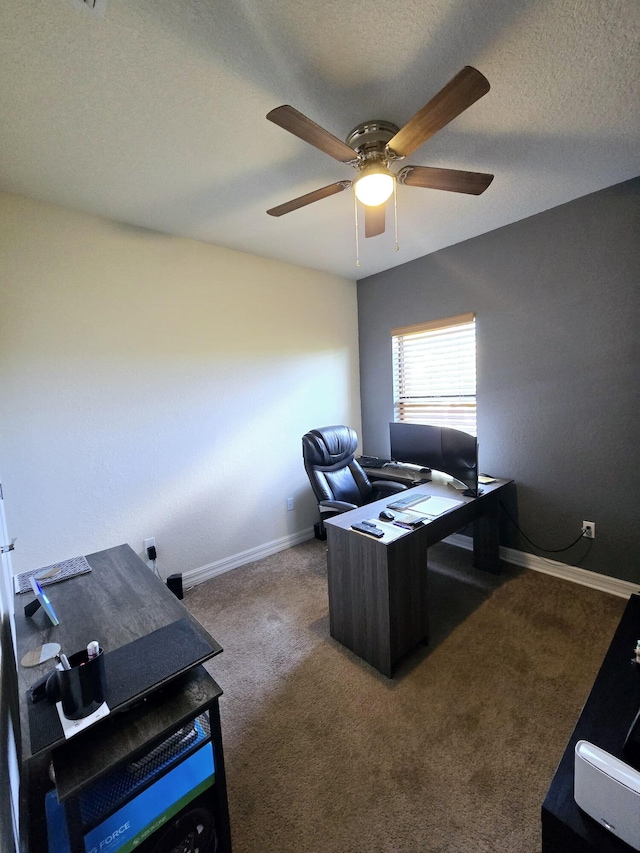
[{"x": 374, "y": 186}]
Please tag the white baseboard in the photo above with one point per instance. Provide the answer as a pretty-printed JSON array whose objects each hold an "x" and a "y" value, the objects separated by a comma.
[
  {"x": 204, "y": 573},
  {"x": 604, "y": 583}
]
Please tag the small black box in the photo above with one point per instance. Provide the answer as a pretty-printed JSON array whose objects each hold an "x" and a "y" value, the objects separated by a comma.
[{"x": 174, "y": 582}]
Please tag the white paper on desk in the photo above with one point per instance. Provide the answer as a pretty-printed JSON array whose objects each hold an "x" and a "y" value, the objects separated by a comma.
[
  {"x": 435, "y": 506},
  {"x": 72, "y": 727}
]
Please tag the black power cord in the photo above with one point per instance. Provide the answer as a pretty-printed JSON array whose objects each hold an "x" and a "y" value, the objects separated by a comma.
[
  {"x": 540, "y": 547},
  {"x": 152, "y": 555}
]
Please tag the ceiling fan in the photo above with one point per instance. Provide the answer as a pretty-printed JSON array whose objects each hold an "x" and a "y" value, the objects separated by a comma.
[{"x": 373, "y": 146}]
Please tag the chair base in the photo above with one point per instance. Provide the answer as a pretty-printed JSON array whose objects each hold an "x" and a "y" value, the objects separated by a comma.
[{"x": 320, "y": 531}]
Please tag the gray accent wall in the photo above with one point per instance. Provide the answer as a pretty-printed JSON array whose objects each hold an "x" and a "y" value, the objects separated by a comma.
[{"x": 557, "y": 303}]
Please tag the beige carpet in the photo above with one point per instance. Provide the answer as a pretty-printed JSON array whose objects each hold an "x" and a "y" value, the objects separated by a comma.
[{"x": 454, "y": 755}]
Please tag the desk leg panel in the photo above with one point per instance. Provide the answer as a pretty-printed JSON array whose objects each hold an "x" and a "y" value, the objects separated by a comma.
[
  {"x": 357, "y": 577},
  {"x": 34, "y": 785},
  {"x": 221, "y": 807},
  {"x": 408, "y": 595},
  {"x": 377, "y": 595},
  {"x": 486, "y": 536}
]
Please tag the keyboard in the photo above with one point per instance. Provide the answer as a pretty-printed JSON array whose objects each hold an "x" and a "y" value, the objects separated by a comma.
[
  {"x": 373, "y": 461},
  {"x": 403, "y": 503}
]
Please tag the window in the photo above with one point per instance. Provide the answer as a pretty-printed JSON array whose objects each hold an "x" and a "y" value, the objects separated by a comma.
[{"x": 434, "y": 373}]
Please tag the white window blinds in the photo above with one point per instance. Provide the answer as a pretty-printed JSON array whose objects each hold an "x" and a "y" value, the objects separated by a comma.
[{"x": 434, "y": 373}]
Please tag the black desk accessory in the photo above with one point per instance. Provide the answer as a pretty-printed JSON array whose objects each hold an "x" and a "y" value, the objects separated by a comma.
[
  {"x": 174, "y": 582},
  {"x": 370, "y": 529},
  {"x": 80, "y": 686},
  {"x": 131, "y": 671}
]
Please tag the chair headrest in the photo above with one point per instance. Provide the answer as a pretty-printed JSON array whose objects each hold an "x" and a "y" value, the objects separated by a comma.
[{"x": 330, "y": 446}]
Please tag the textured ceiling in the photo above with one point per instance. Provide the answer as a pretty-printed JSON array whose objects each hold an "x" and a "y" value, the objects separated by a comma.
[{"x": 152, "y": 113}]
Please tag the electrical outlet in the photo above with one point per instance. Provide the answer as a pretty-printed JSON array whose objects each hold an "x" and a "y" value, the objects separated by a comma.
[
  {"x": 589, "y": 529},
  {"x": 289, "y": 504},
  {"x": 148, "y": 543}
]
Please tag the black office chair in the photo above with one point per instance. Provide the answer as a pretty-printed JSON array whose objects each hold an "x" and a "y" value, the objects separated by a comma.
[{"x": 338, "y": 481}]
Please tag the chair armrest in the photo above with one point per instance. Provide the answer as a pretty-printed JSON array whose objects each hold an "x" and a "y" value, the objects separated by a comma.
[
  {"x": 335, "y": 506},
  {"x": 384, "y": 488}
]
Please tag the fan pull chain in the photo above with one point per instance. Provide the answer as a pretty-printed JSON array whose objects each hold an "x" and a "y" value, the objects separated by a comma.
[
  {"x": 355, "y": 213},
  {"x": 395, "y": 211}
]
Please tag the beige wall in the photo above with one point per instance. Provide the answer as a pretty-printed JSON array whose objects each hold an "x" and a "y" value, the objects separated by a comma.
[{"x": 157, "y": 386}]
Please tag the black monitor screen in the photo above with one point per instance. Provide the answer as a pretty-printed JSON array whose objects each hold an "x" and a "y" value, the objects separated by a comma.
[{"x": 449, "y": 450}]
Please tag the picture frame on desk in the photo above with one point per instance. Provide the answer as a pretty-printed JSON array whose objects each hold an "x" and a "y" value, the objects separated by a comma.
[{"x": 42, "y": 600}]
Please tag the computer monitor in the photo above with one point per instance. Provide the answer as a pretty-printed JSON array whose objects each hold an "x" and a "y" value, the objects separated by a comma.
[{"x": 451, "y": 451}]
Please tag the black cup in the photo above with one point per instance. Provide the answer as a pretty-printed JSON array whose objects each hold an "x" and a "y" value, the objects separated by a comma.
[{"x": 82, "y": 688}]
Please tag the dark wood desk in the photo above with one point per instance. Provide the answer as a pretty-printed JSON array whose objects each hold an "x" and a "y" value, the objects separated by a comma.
[
  {"x": 119, "y": 602},
  {"x": 605, "y": 720},
  {"x": 378, "y": 590}
]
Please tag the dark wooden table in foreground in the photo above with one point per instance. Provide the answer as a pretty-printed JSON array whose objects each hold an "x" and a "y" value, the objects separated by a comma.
[
  {"x": 378, "y": 590},
  {"x": 118, "y": 603},
  {"x": 605, "y": 720}
]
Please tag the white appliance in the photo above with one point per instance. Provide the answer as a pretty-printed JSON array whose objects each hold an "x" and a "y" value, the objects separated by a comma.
[{"x": 608, "y": 790}]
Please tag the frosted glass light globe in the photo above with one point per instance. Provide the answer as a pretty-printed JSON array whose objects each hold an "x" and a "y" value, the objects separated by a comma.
[{"x": 374, "y": 188}]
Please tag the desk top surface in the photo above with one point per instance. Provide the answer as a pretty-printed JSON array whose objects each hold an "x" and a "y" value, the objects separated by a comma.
[
  {"x": 118, "y": 602},
  {"x": 344, "y": 520}
]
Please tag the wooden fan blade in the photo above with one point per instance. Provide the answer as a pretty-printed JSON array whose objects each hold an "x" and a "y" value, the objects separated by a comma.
[
  {"x": 290, "y": 119},
  {"x": 465, "y": 89},
  {"x": 452, "y": 180},
  {"x": 309, "y": 198},
  {"x": 374, "y": 220}
]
